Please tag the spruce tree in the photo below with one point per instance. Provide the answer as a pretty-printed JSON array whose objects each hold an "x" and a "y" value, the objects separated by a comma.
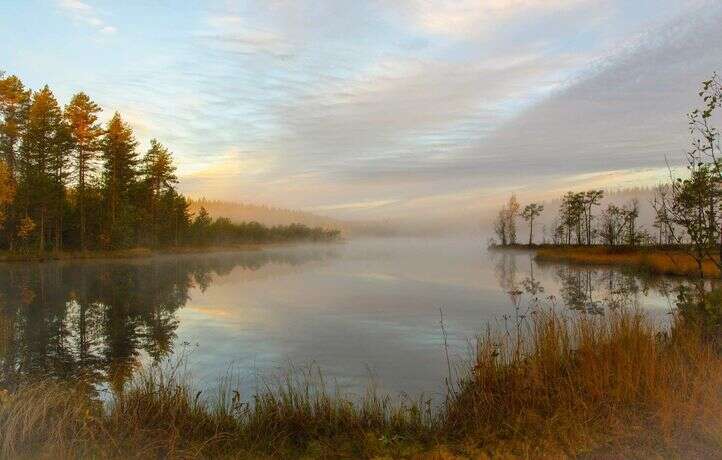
[
  {"x": 120, "y": 161},
  {"x": 82, "y": 117},
  {"x": 43, "y": 154},
  {"x": 159, "y": 178}
]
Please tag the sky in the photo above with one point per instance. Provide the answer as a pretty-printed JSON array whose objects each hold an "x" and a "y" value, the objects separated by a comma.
[{"x": 383, "y": 109}]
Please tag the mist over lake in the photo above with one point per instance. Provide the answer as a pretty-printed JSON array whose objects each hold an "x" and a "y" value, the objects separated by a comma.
[{"x": 361, "y": 311}]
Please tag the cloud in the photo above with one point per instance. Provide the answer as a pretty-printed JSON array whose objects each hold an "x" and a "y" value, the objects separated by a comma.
[
  {"x": 433, "y": 138},
  {"x": 84, "y": 13},
  {"x": 233, "y": 33},
  {"x": 236, "y": 164},
  {"x": 470, "y": 18},
  {"x": 439, "y": 130},
  {"x": 353, "y": 206},
  {"x": 436, "y": 108},
  {"x": 628, "y": 112},
  {"x": 412, "y": 108},
  {"x": 613, "y": 125}
]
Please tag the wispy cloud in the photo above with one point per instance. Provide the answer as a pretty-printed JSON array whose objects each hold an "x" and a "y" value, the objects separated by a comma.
[
  {"x": 82, "y": 12},
  {"x": 412, "y": 108},
  {"x": 234, "y": 33},
  {"x": 472, "y": 18},
  {"x": 353, "y": 206},
  {"x": 397, "y": 134},
  {"x": 382, "y": 108}
]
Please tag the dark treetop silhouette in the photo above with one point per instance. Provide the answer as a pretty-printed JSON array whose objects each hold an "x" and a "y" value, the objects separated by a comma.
[{"x": 67, "y": 182}]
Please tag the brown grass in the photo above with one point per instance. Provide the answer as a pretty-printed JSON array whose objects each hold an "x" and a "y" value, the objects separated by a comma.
[
  {"x": 571, "y": 385},
  {"x": 5, "y": 333},
  {"x": 659, "y": 261},
  {"x": 592, "y": 385}
]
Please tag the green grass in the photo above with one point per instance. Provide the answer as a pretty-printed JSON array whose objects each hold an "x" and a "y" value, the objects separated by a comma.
[{"x": 619, "y": 385}]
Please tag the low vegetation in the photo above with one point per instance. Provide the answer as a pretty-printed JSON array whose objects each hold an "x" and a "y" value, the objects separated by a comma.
[
  {"x": 559, "y": 385},
  {"x": 657, "y": 260}
]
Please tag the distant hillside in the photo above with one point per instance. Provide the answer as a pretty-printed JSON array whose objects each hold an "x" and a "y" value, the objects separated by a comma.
[
  {"x": 267, "y": 215},
  {"x": 244, "y": 212}
]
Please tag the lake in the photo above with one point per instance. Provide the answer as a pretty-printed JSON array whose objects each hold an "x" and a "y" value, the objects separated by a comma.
[{"x": 361, "y": 311}]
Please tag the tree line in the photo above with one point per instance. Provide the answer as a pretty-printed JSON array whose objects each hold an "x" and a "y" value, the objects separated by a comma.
[
  {"x": 67, "y": 181},
  {"x": 579, "y": 221},
  {"x": 687, "y": 210}
]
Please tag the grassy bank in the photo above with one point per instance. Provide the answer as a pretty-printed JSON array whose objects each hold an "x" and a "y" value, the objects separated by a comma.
[
  {"x": 663, "y": 261},
  {"x": 617, "y": 385}
]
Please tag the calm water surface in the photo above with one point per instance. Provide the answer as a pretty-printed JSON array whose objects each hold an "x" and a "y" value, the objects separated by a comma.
[{"x": 360, "y": 311}]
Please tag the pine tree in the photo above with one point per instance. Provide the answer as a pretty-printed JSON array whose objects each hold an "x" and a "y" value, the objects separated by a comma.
[
  {"x": 159, "y": 178},
  {"x": 530, "y": 213},
  {"x": 14, "y": 101},
  {"x": 41, "y": 163},
  {"x": 82, "y": 118},
  {"x": 119, "y": 177},
  {"x": 158, "y": 168}
]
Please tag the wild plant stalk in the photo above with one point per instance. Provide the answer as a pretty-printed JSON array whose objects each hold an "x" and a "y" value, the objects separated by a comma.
[
  {"x": 619, "y": 384},
  {"x": 444, "y": 335}
]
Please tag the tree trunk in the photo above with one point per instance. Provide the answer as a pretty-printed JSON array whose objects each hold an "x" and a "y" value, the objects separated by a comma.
[
  {"x": 81, "y": 201},
  {"x": 42, "y": 230},
  {"x": 719, "y": 264},
  {"x": 531, "y": 230},
  {"x": 58, "y": 243}
]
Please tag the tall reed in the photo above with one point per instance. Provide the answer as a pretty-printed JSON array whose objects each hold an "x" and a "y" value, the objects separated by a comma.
[{"x": 571, "y": 384}]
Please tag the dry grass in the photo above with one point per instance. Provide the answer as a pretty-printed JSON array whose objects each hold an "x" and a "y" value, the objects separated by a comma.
[
  {"x": 584, "y": 384},
  {"x": 659, "y": 261},
  {"x": 5, "y": 332},
  {"x": 160, "y": 416},
  {"x": 575, "y": 385}
]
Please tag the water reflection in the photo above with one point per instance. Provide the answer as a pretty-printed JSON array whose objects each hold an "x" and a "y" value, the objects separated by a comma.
[
  {"x": 585, "y": 288},
  {"x": 367, "y": 308},
  {"x": 93, "y": 322}
]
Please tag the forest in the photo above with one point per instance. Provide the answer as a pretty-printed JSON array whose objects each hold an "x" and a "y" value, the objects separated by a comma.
[{"x": 70, "y": 182}]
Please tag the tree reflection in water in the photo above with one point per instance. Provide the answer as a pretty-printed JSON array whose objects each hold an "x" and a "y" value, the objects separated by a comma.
[
  {"x": 92, "y": 322},
  {"x": 584, "y": 288}
]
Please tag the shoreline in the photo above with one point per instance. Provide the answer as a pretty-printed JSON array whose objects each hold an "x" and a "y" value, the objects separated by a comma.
[
  {"x": 142, "y": 253},
  {"x": 531, "y": 397},
  {"x": 659, "y": 260}
]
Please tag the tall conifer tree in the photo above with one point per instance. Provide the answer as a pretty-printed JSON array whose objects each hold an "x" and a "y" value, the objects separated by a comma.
[
  {"x": 159, "y": 178},
  {"x": 14, "y": 102},
  {"x": 41, "y": 165},
  {"x": 120, "y": 161},
  {"x": 82, "y": 117}
]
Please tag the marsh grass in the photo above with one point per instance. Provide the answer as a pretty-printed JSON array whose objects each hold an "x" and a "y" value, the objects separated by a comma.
[
  {"x": 583, "y": 384},
  {"x": 658, "y": 261},
  {"x": 570, "y": 385},
  {"x": 5, "y": 332}
]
